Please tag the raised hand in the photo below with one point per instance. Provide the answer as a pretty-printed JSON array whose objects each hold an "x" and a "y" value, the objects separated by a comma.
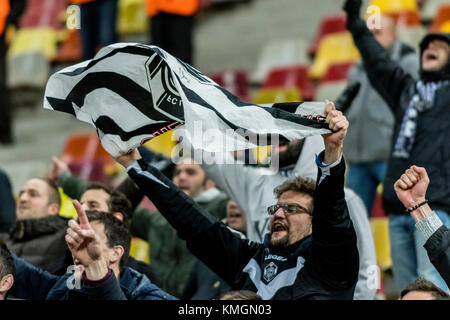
[
  {"x": 352, "y": 8},
  {"x": 58, "y": 167},
  {"x": 334, "y": 141},
  {"x": 129, "y": 158},
  {"x": 82, "y": 240},
  {"x": 412, "y": 186}
]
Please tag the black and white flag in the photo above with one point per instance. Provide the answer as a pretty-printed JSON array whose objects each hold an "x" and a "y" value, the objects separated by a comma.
[{"x": 132, "y": 92}]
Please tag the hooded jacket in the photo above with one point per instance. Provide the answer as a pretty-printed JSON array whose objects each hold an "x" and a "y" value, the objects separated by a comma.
[
  {"x": 31, "y": 283},
  {"x": 369, "y": 136},
  {"x": 432, "y": 143},
  {"x": 321, "y": 266}
]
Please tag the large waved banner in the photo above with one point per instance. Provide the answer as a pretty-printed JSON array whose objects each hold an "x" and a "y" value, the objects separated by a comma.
[{"x": 132, "y": 92}]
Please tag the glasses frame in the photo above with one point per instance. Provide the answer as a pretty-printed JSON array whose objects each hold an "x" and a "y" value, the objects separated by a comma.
[{"x": 271, "y": 210}]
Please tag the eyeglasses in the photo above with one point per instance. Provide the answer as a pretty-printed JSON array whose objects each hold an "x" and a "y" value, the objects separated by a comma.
[{"x": 288, "y": 208}]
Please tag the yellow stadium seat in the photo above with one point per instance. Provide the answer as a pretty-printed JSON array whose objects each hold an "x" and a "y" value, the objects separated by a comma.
[
  {"x": 162, "y": 144},
  {"x": 380, "y": 232},
  {"x": 273, "y": 95},
  {"x": 390, "y": 6},
  {"x": 334, "y": 48},
  {"x": 67, "y": 209},
  {"x": 445, "y": 27},
  {"x": 140, "y": 250},
  {"x": 132, "y": 17},
  {"x": 262, "y": 153},
  {"x": 29, "y": 40}
]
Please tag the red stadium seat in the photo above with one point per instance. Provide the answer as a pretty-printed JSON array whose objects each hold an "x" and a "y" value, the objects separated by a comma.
[
  {"x": 86, "y": 156},
  {"x": 337, "y": 72},
  {"x": 430, "y": 9},
  {"x": 70, "y": 50},
  {"x": 291, "y": 77},
  {"x": 442, "y": 16},
  {"x": 377, "y": 210},
  {"x": 235, "y": 81},
  {"x": 44, "y": 13},
  {"x": 330, "y": 24},
  {"x": 410, "y": 18}
]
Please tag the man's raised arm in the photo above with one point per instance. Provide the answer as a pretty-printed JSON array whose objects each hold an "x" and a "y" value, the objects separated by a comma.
[
  {"x": 206, "y": 237},
  {"x": 385, "y": 75},
  {"x": 335, "y": 253}
]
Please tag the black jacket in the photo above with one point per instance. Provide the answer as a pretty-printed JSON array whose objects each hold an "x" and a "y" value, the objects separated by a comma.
[
  {"x": 38, "y": 241},
  {"x": 321, "y": 266},
  {"x": 7, "y": 204},
  {"x": 438, "y": 249},
  {"x": 432, "y": 146}
]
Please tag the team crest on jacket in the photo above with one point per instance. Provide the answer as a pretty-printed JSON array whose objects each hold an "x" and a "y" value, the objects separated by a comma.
[{"x": 270, "y": 271}]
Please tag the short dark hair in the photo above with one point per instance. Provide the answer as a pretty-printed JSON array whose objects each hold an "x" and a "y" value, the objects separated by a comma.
[
  {"x": 297, "y": 184},
  {"x": 6, "y": 261},
  {"x": 240, "y": 295},
  {"x": 424, "y": 285},
  {"x": 116, "y": 232},
  {"x": 117, "y": 202},
  {"x": 53, "y": 194}
]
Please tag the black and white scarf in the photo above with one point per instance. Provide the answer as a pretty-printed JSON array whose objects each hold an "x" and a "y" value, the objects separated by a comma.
[
  {"x": 133, "y": 92},
  {"x": 421, "y": 101}
]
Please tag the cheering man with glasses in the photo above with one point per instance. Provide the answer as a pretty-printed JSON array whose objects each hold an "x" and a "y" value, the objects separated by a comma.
[{"x": 310, "y": 251}]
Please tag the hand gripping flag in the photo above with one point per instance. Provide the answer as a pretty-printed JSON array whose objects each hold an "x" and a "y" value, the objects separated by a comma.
[{"x": 132, "y": 92}]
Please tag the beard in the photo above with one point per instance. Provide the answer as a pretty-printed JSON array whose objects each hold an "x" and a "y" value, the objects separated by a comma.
[
  {"x": 279, "y": 242},
  {"x": 291, "y": 154}
]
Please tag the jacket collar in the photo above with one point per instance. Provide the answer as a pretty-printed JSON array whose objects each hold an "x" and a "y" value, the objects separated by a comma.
[{"x": 296, "y": 249}]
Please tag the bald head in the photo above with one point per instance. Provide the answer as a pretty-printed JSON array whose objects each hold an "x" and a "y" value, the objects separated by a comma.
[{"x": 386, "y": 32}]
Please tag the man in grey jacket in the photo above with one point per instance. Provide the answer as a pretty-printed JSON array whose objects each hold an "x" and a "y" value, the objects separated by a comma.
[
  {"x": 369, "y": 136},
  {"x": 252, "y": 189}
]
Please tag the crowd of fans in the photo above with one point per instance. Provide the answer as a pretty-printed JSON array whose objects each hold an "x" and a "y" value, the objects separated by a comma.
[{"x": 233, "y": 231}]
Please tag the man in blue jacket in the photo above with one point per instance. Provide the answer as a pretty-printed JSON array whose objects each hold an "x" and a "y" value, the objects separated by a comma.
[{"x": 99, "y": 244}]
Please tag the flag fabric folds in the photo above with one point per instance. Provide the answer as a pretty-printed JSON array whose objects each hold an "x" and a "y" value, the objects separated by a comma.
[{"x": 132, "y": 92}]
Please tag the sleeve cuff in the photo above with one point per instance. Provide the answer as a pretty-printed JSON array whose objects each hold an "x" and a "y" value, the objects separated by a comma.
[
  {"x": 325, "y": 169},
  {"x": 134, "y": 166},
  {"x": 429, "y": 225},
  {"x": 93, "y": 283}
]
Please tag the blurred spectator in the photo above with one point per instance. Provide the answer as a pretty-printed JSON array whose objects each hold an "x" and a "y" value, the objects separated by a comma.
[
  {"x": 420, "y": 137},
  {"x": 411, "y": 190},
  {"x": 170, "y": 259},
  {"x": 8, "y": 206},
  {"x": 38, "y": 234},
  {"x": 372, "y": 122},
  {"x": 97, "y": 25},
  {"x": 100, "y": 245},
  {"x": 203, "y": 283},
  {"x": 100, "y": 197},
  {"x": 172, "y": 24},
  {"x": 7, "y": 270},
  {"x": 9, "y": 15},
  {"x": 422, "y": 289},
  {"x": 252, "y": 189}
]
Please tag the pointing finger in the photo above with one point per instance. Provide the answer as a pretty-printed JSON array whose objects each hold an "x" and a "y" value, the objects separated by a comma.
[{"x": 84, "y": 221}]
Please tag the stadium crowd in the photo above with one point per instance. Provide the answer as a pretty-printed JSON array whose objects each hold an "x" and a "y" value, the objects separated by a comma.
[{"x": 236, "y": 230}]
